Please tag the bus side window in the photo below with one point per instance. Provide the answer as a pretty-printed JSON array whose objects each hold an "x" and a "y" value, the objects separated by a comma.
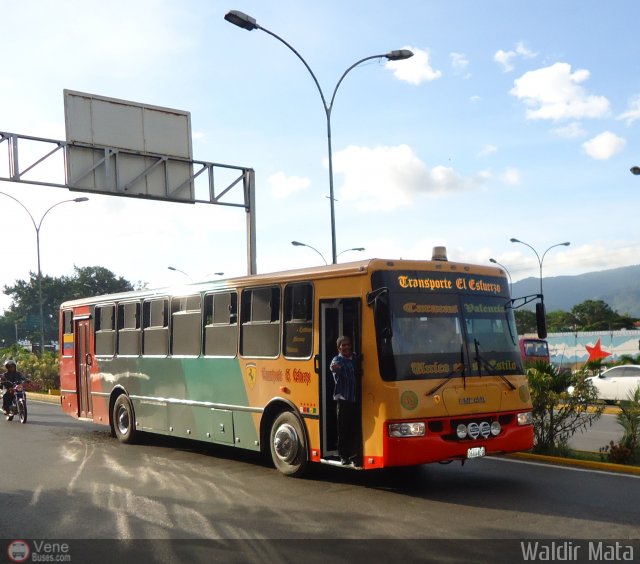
[
  {"x": 155, "y": 327},
  {"x": 67, "y": 332},
  {"x": 185, "y": 325},
  {"x": 298, "y": 328},
  {"x": 260, "y": 326},
  {"x": 105, "y": 334},
  {"x": 129, "y": 329},
  {"x": 221, "y": 324}
]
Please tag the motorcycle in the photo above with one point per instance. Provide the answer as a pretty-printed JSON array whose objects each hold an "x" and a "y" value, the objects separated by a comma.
[{"x": 18, "y": 401}]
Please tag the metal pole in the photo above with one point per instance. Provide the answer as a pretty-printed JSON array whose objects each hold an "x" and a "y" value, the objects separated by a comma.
[
  {"x": 37, "y": 228},
  {"x": 494, "y": 261},
  {"x": 244, "y": 21}
]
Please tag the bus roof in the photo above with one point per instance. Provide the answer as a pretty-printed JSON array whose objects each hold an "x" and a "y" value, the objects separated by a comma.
[{"x": 357, "y": 268}]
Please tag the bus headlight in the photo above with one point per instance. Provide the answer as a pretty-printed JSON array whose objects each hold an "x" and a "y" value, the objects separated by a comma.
[
  {"x": 416, "y": 429},
  {"x": 461, "y": 431},
  {"x": 495, "y": 428},
  {"x": 525, "y": 418}
]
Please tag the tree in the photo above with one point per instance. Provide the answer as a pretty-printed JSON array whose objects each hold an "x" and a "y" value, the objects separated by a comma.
[
  {"x": 525, "y": 321},
  {"x": 596, "y": 315},
  {"x": 558, "y": 413},
  {"x": 559, "y": 321},
  {"x": 85, "y": 282}
]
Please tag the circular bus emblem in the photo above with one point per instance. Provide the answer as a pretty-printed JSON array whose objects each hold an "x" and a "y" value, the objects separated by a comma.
[
  {"x": 18, "y": 551},
  {"x": 409, "y": 400}
]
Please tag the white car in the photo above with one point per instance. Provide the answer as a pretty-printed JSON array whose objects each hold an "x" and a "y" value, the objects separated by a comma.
[{"x": 617, "y": 383}]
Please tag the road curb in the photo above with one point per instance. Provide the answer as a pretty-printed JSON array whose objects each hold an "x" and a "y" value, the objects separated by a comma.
[
  {"x": 592, "y": 465},
  {"x": 43, "y": 397}
]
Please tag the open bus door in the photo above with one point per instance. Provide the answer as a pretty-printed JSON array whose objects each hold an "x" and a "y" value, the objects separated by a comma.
[
  {"x": 83, "y": 362},
  {"x": 337, "y": 317}
]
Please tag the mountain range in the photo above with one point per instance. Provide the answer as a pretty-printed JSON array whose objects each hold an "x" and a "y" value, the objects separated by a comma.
[{"x": 617, "y": 287}]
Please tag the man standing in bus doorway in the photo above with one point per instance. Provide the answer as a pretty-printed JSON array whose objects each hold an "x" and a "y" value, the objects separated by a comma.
[{"x": 343, "y": 368}]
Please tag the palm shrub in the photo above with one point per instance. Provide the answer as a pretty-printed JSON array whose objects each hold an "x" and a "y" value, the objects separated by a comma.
[
  {"x": 629, "y": 419},
  {"x": 557, "y": 412}
]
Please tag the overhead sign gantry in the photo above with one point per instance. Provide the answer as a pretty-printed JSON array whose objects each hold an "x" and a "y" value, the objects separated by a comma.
[{"x": 122, "y": 148}]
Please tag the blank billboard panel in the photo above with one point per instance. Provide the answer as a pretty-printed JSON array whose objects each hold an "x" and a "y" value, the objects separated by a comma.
[{"x": 128, "y": 149}]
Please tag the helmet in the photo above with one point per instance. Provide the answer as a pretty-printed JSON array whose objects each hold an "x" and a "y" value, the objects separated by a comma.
[{"x": 9, "y": 361}]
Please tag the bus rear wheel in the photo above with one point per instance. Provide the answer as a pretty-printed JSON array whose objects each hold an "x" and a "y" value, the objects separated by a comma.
[
  {"x": 289, "y": 445},
  {"x": 124, "y": 420}
]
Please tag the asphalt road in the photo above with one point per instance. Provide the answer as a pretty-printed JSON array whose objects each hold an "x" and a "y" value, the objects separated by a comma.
[
  {"x": 600, "y": 434},
  {"x": 66, "y": 479}
]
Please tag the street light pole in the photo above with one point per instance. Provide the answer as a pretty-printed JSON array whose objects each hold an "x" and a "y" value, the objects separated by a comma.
[
  {"x": 180, "y": 271},
  {"x": 494, "y": 261},
  {"x": 37, "y": 228},
  {"x": 359, "y": 249},
  {"x": 244, "y": 21},
  {"x": 299, "y": 244},
  {"x": 540, "y": 260}
]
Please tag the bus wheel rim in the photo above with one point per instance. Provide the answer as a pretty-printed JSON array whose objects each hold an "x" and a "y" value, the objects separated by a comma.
[
  {"x": 286, "y": 443},
  {"x": 123, "y": 421}
]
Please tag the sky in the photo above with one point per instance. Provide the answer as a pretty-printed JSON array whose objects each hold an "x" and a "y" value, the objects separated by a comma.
[{"x": 512, "y": 120}]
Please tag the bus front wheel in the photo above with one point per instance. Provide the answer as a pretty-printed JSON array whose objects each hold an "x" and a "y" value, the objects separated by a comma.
[
  {"x": 288, "y": 445},
  {"x": 124, "y": 420}
]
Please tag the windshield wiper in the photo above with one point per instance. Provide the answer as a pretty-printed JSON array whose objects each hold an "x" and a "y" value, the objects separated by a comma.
[
  {"x": 480, "y": 360},
  {"x": 463, "y": 369}
]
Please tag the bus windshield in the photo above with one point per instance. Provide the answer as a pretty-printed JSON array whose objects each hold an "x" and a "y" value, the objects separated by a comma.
[{"x": 436, "y": 334}]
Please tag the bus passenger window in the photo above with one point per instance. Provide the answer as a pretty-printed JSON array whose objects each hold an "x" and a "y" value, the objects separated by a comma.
[
  {"x": 155, "y": 327},
  {"x": 129, "y": 329},
  {"x": 260, "y": 331},
  {"x": 298, "y": 328},
  {"x": 67, "y": 332},
  {"x": 185, "y": 325},
  {"x": 105, "y": 334},
  {"x": 221, "y": 324}
]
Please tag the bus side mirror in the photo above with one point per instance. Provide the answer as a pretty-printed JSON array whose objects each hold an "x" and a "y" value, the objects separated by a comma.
[{"x": 541, "y": 321}]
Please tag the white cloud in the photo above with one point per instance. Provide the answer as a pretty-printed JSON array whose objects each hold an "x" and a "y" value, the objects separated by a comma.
[
  {"x": 415, "y": 70},
  {"x": 487, "y": 150},
  {"x": 511, "y": 176},
  {"x": 506, "y": 58},
  {"x": 633, "y": 112},
  {"x": 283, "y": 186},
  {"x": 571, "y": 131},
  {"x": 459, "y": 62},
  {"x": 555, "y": 93},
  {"x": 604, "y": 146},
  {"x": 386, "y": 178}
]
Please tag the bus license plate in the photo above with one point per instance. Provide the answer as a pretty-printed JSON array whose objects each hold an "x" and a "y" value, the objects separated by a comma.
[{"x": 475, "y": 452}]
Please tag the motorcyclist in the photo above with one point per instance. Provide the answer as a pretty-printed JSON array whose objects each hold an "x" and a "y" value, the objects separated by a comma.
[{"x": 9, "y": 379}]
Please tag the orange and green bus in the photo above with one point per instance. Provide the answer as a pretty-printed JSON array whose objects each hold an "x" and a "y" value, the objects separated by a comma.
[{"x": 245, "y": 362}]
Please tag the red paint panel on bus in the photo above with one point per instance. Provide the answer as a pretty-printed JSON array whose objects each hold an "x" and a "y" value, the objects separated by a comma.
[{"x": 433, "y": 447}]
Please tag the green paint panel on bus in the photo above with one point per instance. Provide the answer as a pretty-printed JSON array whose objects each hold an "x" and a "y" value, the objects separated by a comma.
[{"x": 191, "y": 379}]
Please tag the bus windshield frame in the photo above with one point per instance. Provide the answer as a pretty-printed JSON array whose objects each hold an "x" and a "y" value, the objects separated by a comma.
[{"x": 440, "y": 330}]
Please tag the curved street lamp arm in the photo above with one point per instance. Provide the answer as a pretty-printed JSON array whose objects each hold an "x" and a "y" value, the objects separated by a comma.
[
  {"x": 299, "y": 244},
  {"x": 45, "y": 213},
  {"x": 324, "y": 102},
  {"x": 345, "y": 73},
  {"x": 23, "y": 207},
  {"x": 566, "y": 244}
]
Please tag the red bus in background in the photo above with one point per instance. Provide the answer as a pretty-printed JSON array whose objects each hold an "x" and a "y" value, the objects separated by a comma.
[{"x": 534, "y": 350}]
